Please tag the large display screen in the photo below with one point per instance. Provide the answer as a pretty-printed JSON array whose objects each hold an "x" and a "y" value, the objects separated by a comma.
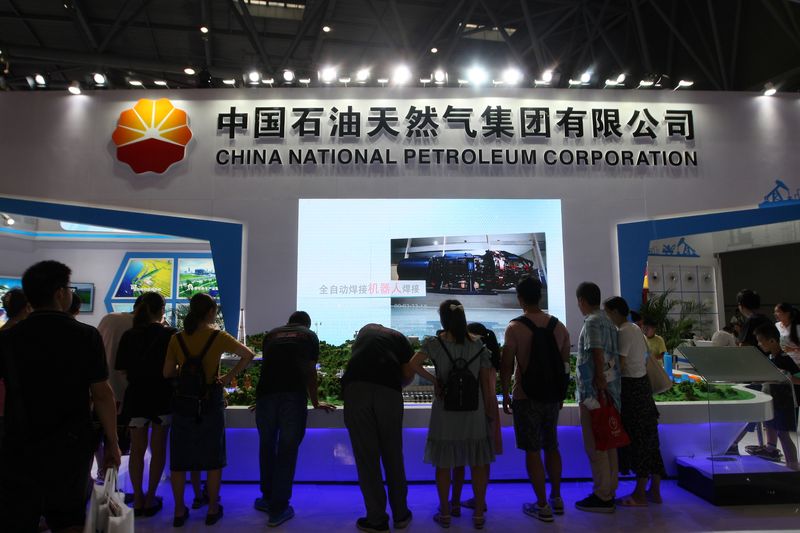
[{"x": 393, "y": 261}]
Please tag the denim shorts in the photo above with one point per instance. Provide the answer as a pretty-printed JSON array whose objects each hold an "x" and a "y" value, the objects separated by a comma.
[{"x": 535, "y": 425}]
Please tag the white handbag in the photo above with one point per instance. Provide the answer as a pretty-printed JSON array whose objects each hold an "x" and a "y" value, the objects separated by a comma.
[
  {"x": 659, "y": 379},
  {"x": 107, "y": 510}
]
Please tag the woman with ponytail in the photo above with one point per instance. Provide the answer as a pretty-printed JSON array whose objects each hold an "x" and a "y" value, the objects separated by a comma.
[
  {"x": 197, "y": 441},
  {"x": 148, "y": 397},
  {"x": 458, "y": 438}
]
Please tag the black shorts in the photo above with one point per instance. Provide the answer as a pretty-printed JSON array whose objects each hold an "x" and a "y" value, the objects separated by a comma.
[
  {"x": 536, "y": 425},
  {"x": 784, "y": 419},
  {"x": 49, "y": 480}
]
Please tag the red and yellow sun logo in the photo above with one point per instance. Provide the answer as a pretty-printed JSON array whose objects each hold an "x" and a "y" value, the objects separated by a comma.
[{"x": 152, "y": 136}]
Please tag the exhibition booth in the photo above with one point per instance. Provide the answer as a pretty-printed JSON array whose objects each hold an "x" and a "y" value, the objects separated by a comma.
[{"x": 374, "y": 205}]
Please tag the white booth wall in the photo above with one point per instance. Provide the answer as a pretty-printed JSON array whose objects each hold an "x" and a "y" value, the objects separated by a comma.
[{"x": 58, "y": 147}]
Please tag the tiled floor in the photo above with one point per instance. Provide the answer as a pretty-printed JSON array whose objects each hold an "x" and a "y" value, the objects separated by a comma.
[{"x": 334, "y": 508}]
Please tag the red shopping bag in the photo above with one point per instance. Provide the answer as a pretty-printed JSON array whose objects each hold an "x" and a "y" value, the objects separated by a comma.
[{"x": 607, "y": 426}]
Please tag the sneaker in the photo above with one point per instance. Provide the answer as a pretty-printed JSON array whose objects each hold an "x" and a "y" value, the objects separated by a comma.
[
  {"x": 557, "y": 505},
  {"x": 545, "y": 514},
  {"x": 363, "y": 525},
  {"x": 278, "y": 519},
  {"x": 402, "y": 524},
  {"x": 593, "y": 504},
  {"x": 261, "y": 504}
]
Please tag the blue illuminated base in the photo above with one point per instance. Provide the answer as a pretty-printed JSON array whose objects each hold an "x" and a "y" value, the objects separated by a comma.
[{"x": 734, "y": 480}]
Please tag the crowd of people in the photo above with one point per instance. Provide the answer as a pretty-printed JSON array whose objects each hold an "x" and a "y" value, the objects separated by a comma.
[{"x": 69, "y": 385}]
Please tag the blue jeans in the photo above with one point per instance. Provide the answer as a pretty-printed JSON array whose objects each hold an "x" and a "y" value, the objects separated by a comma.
[{"x": 281, "y": 421}]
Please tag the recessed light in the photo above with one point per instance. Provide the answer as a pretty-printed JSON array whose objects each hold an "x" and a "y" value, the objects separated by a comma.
[
  {"x": 203, "y": 29},
  {"x": 189, "y": 70},
  {"x": 288, "y": 76},
  {"x": 326, "y": 29},
  {"x": 434, "y": 50},
  {"x": 254, "y": 77}
]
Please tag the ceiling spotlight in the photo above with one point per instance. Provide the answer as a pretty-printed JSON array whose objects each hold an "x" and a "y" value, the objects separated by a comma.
[
  {"x": 682, "y": 84},
  {"x": 9, "y": 220},
  {"x": 586, "y": 77},
  {"x": 512, "y": 76},
  {"x": 383, "y": 81},
  {"x": 304, "y": 81},
  {"x": 547, "y": 76},
  {"x": 769, "y": 90},
  {"x": 328, "y": 75},
  {"x": 326, "y": 29},
  {"x": 621, "y": 79},
  {"x": 203, "y": 29},
  {"x": 39, "y": 79},
  {"x": 646, "y": 83},
  {"x": 74, "y": 88},
  {"x": 434, "y": 50},
  {"x": 160, "y": 83},
  {"x": 288, "y": 76},
  {"x": 477, "y": 76},
  {"x": 189, "y": 70},
  {"x": 99, "y": 78},
  {"x": 268, "y": 81},
  {"x": 229, "y": 82},
  {"x": 135, "y": 83},
  {"x": 440, "y": 76},
  {"x": 401, "y": 75},
  {"x": 253, "y": 77},
  {"x": 362, "y": 75},
  {"x": 573, "y": 83}
]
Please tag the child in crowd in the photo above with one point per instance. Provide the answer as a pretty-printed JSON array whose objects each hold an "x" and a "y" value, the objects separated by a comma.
[
  {"x": 784, "y": 423},
  {"x": 655, "y": 343}
]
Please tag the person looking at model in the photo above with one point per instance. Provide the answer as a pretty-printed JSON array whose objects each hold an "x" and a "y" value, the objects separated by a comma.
[
  {"x": 288, "y": 380},
  {"x": 372, "y": 385},
  {"x": 535, "y": 419},
  {"x": 458, "y": 436},
  {"x": 148, "y": 397},
  {"x": 639, "y": 413},
  {"x": 197, "y": 439},
  {"x": 597, "y": 371}
]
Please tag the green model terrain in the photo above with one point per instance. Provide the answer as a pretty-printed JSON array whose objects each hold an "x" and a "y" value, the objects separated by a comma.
[{"x": 333, "y": 360}]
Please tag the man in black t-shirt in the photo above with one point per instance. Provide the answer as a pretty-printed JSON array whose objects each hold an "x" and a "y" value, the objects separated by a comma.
[
  {"x": 54, "y": 368},
  {"x": 749, "y": 303},
  {"x": 288, "y": 380},
  {"x": 373, "y": 414}
]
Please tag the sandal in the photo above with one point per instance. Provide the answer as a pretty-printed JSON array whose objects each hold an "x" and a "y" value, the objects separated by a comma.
[
  {"x": 478, "y": 522},
  {"x": 442, "y": 519},
  {"x": 628, "y": 501}
]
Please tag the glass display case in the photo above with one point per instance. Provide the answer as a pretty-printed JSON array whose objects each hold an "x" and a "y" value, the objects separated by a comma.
[{"x": 725, "y": 459}]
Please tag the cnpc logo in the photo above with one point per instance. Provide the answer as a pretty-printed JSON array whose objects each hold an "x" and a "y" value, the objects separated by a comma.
[{"x": 152, "y": 135}]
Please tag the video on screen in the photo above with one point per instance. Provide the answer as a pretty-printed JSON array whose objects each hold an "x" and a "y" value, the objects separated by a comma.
[{"x": 393, "y": 261}]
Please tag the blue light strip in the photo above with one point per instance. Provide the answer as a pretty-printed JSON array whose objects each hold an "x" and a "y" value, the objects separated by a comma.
[
  {"x": 225, "y": 238},
  {"x": 78, "y": 235}
]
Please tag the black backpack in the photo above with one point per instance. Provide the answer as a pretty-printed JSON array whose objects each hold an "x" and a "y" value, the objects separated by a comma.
[
  {"x": 545, "y": 379},
  {"x": 461, "y": 390},
  {"x": 191, "y": 389}
]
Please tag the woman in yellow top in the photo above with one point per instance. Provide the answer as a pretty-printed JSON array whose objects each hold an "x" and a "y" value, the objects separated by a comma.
[{"x": 197, "y": 440}]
